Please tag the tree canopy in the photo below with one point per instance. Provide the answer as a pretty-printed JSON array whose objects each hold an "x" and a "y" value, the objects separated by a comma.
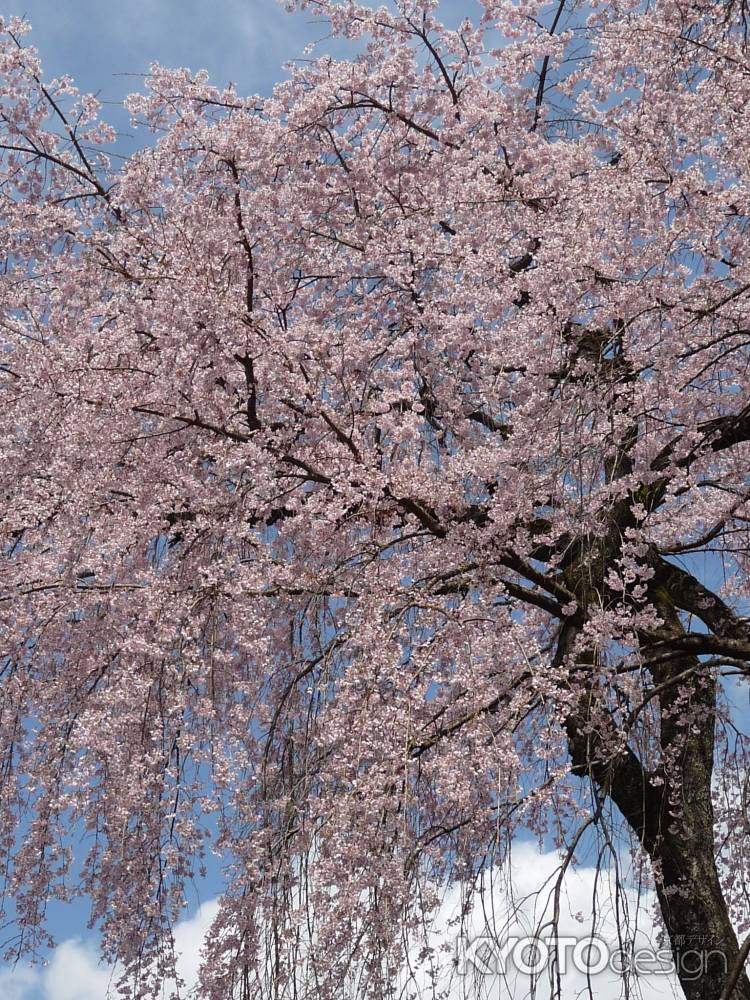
[{"x": 375, "y": 484}]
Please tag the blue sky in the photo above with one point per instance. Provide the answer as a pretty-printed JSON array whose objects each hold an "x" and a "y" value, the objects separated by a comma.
[
  {"x": 107, "y": 47},
  {"x": 245, "y": 41}
]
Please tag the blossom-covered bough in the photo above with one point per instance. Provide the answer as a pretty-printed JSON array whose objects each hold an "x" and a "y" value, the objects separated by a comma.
[{"x": 375, "y": 485}]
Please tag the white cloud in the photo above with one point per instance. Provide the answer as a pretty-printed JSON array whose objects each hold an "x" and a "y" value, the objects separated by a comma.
[
  {"x": 189, "y": 935},
  {"x": 74, "y": 972},
  {"x": 481, "y": 963},
  {"x": 19, "y": 983}
]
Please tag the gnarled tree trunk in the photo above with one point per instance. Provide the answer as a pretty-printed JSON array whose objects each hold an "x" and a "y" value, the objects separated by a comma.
[{"x": 673, "y": 819}]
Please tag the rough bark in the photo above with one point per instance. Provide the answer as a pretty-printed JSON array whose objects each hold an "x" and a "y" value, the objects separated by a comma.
[{"x": 673, "y": 819}]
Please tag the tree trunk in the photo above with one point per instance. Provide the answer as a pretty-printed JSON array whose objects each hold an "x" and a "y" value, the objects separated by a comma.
[{"x": 674, "y": 822}]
